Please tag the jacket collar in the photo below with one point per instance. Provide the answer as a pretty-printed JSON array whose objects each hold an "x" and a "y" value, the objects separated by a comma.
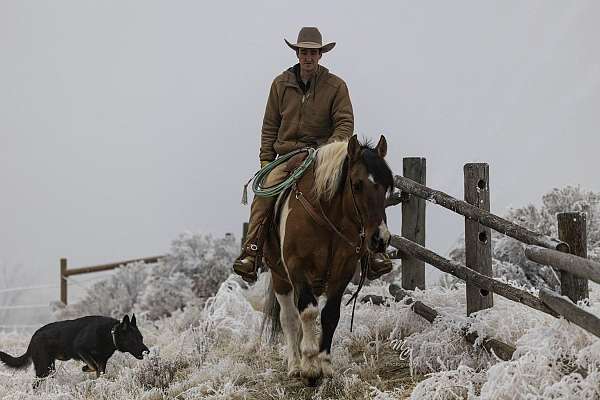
[{"x": 292, "y": 76}]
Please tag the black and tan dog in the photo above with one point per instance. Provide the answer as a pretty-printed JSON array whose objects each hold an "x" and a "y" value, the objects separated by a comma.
[{"x": 92, "y": 340}]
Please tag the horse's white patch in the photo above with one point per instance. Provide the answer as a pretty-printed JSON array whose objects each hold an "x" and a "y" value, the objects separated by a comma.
[
  {"x": 290, "y": 323},
  {"x": 285, "y": 211},
  {"x": 311, "y": 333},
  {"x": 371, "y": 179},
  {"x": 384, "y": 233},
  {"x": 326, "y": 366},
  {"x": 322, "y": 300}
]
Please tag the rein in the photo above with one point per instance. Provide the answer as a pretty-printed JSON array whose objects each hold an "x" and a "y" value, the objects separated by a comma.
[{"x": 320, "y": 218}]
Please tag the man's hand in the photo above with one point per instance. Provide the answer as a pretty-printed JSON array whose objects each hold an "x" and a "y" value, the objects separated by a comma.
[{"x": 263, "y": 163}]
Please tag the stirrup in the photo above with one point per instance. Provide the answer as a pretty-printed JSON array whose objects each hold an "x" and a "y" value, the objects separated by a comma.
[
  {"x": 245, "y": 265},
  {"x": 246, "y": 268}
]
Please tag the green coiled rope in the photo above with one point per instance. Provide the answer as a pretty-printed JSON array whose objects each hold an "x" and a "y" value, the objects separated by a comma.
[{"x": 261, "y": 175}]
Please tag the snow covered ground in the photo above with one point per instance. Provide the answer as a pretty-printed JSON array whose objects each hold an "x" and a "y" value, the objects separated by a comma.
[
  {"x": 203, "y": 327},
  {"x": 214, "y": 351}
]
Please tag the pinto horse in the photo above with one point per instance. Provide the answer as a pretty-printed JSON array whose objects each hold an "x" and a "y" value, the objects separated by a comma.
[{"x": 333, "y": 216}]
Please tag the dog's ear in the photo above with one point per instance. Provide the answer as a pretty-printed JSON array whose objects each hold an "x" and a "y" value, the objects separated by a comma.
[{"x": 133, "y": 321}]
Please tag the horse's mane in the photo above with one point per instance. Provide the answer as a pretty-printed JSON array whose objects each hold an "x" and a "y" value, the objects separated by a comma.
[{"x": 331, "y": 168}]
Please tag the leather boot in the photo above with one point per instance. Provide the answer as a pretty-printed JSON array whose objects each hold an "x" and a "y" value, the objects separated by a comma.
[
  {"x": 246, "y": 265},
  {"x": 379, "y": 264}
]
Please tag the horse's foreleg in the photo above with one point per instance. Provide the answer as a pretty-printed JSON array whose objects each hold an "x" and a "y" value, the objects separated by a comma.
[
  {"x": 309, "y": 311},
  {"x": 290, "y": 323},
  {"x": 330, "y": 317}
]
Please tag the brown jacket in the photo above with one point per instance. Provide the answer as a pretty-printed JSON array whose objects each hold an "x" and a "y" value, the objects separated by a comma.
[{"x": 294, "y": 120}]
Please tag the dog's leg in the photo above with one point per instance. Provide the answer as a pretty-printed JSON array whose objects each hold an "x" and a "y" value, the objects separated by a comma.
[
  {"x": 91, "y": 363},
  {"x": 101, "y": 367},
  {"x": 43, "y": 364}
]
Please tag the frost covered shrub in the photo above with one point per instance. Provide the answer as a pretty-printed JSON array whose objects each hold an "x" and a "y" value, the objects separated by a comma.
[
  {"x": 156, "y": 372},
  {"x": 163, "y": 294},
  {"x": 115, "y": 296},
  {"x": 194, "y": 268},
  {"x": 204, "y": 259},
  {"x": 509, "y": 259},
  {"x": 460, "y": 383}
]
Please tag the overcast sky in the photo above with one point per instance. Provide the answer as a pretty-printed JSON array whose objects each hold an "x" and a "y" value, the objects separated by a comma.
[{"x": 125, "y": 123}]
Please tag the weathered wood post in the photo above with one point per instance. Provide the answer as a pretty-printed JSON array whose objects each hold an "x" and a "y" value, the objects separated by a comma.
[
  {"x": 478, "y": 238},
  {"x": 572, "y": 230},
  {"x": 63, "y": 280},
  {"x": 413, "y": 225}
]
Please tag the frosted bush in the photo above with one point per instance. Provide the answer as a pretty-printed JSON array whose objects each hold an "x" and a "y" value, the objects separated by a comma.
[
  {"x": 460, "y": 383},
  {"x": 164, "y": 294},
  {"x": 194, "y": 268},
  {"x": 155, "y": 372},
  {"x": 115, "y": 296}
]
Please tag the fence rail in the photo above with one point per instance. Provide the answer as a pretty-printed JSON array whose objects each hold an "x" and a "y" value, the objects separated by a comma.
[
  {"x": 569, "y": 254},
  {"x": 65, "y": 272},
  {"x": 483, "y": 217},
  {"x": 581, "y": 267}
]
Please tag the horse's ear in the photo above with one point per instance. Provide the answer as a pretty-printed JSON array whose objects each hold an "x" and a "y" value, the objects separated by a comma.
[
  {"x": 125, "y": 321},
  {"x": 133, "y": 321},
  {"x": 353, "y": 148},
  {"x": 382, "y": 147}
]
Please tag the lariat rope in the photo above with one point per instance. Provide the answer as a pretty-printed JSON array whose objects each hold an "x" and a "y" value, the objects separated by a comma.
[{"x": 271, "y": 191}]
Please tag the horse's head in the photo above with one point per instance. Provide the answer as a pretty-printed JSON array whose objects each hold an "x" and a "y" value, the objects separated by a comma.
[{"x": 370, "y": 178}]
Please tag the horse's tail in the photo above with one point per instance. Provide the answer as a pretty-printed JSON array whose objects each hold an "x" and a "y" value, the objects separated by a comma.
[
  {"x": 271, "y": 313},
  {"x": 16, "y": 362}
]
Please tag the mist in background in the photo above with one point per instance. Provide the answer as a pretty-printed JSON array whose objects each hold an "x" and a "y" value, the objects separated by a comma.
[{"x": 124, "y": 124}]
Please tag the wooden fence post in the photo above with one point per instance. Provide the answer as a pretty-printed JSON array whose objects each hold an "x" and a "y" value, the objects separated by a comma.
[
  {"x": 572, "y": 230},
  {"x": 478, "y": 238},
  {"x": 413, "y": 225},
  {"x": 63, "y": 281}
]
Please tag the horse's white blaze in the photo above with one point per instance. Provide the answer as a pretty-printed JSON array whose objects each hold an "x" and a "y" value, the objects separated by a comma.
[
  {"x": 371, "y": 179},
  {"x": 290, "y": 323},
  {"x": 384, "y": 233}
]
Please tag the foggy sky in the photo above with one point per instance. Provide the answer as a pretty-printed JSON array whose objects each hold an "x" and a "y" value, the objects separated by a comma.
[{"x": 125, "y": 123}]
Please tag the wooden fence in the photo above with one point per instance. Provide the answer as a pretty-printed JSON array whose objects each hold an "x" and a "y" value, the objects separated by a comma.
[
  {"x": 65, "y": 272},
  {"x": 567, "y": 253}
]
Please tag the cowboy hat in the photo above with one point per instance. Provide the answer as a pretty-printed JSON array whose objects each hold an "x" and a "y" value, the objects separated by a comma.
[{"x": 310, "y": 38}]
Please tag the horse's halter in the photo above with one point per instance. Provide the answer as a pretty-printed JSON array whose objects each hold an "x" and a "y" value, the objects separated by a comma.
[{"x": 362, "y": 233}]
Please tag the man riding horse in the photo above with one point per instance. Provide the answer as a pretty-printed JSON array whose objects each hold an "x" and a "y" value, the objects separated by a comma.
[{"x": 307, "y": 107}]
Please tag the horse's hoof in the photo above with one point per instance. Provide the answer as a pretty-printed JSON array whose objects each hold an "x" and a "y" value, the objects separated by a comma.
[
  {"x": 326, "y": 368},
  {"x": 311, "y": 382},
  {"x": 311, "y": 371},
  {"x": 294, "y": 372}
]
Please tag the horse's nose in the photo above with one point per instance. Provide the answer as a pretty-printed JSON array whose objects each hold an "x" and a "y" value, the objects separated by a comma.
[{"x": 381, "y": 238}]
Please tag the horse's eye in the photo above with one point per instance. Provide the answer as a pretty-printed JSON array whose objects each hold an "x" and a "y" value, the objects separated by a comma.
[{"x": 358, "y": 186}]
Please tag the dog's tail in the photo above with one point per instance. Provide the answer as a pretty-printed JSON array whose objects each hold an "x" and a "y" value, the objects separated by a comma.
[{"x": 16, "y": 362}]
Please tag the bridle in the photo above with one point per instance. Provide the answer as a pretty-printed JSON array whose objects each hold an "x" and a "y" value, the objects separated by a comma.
[{"x": 319, "y": 217}]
